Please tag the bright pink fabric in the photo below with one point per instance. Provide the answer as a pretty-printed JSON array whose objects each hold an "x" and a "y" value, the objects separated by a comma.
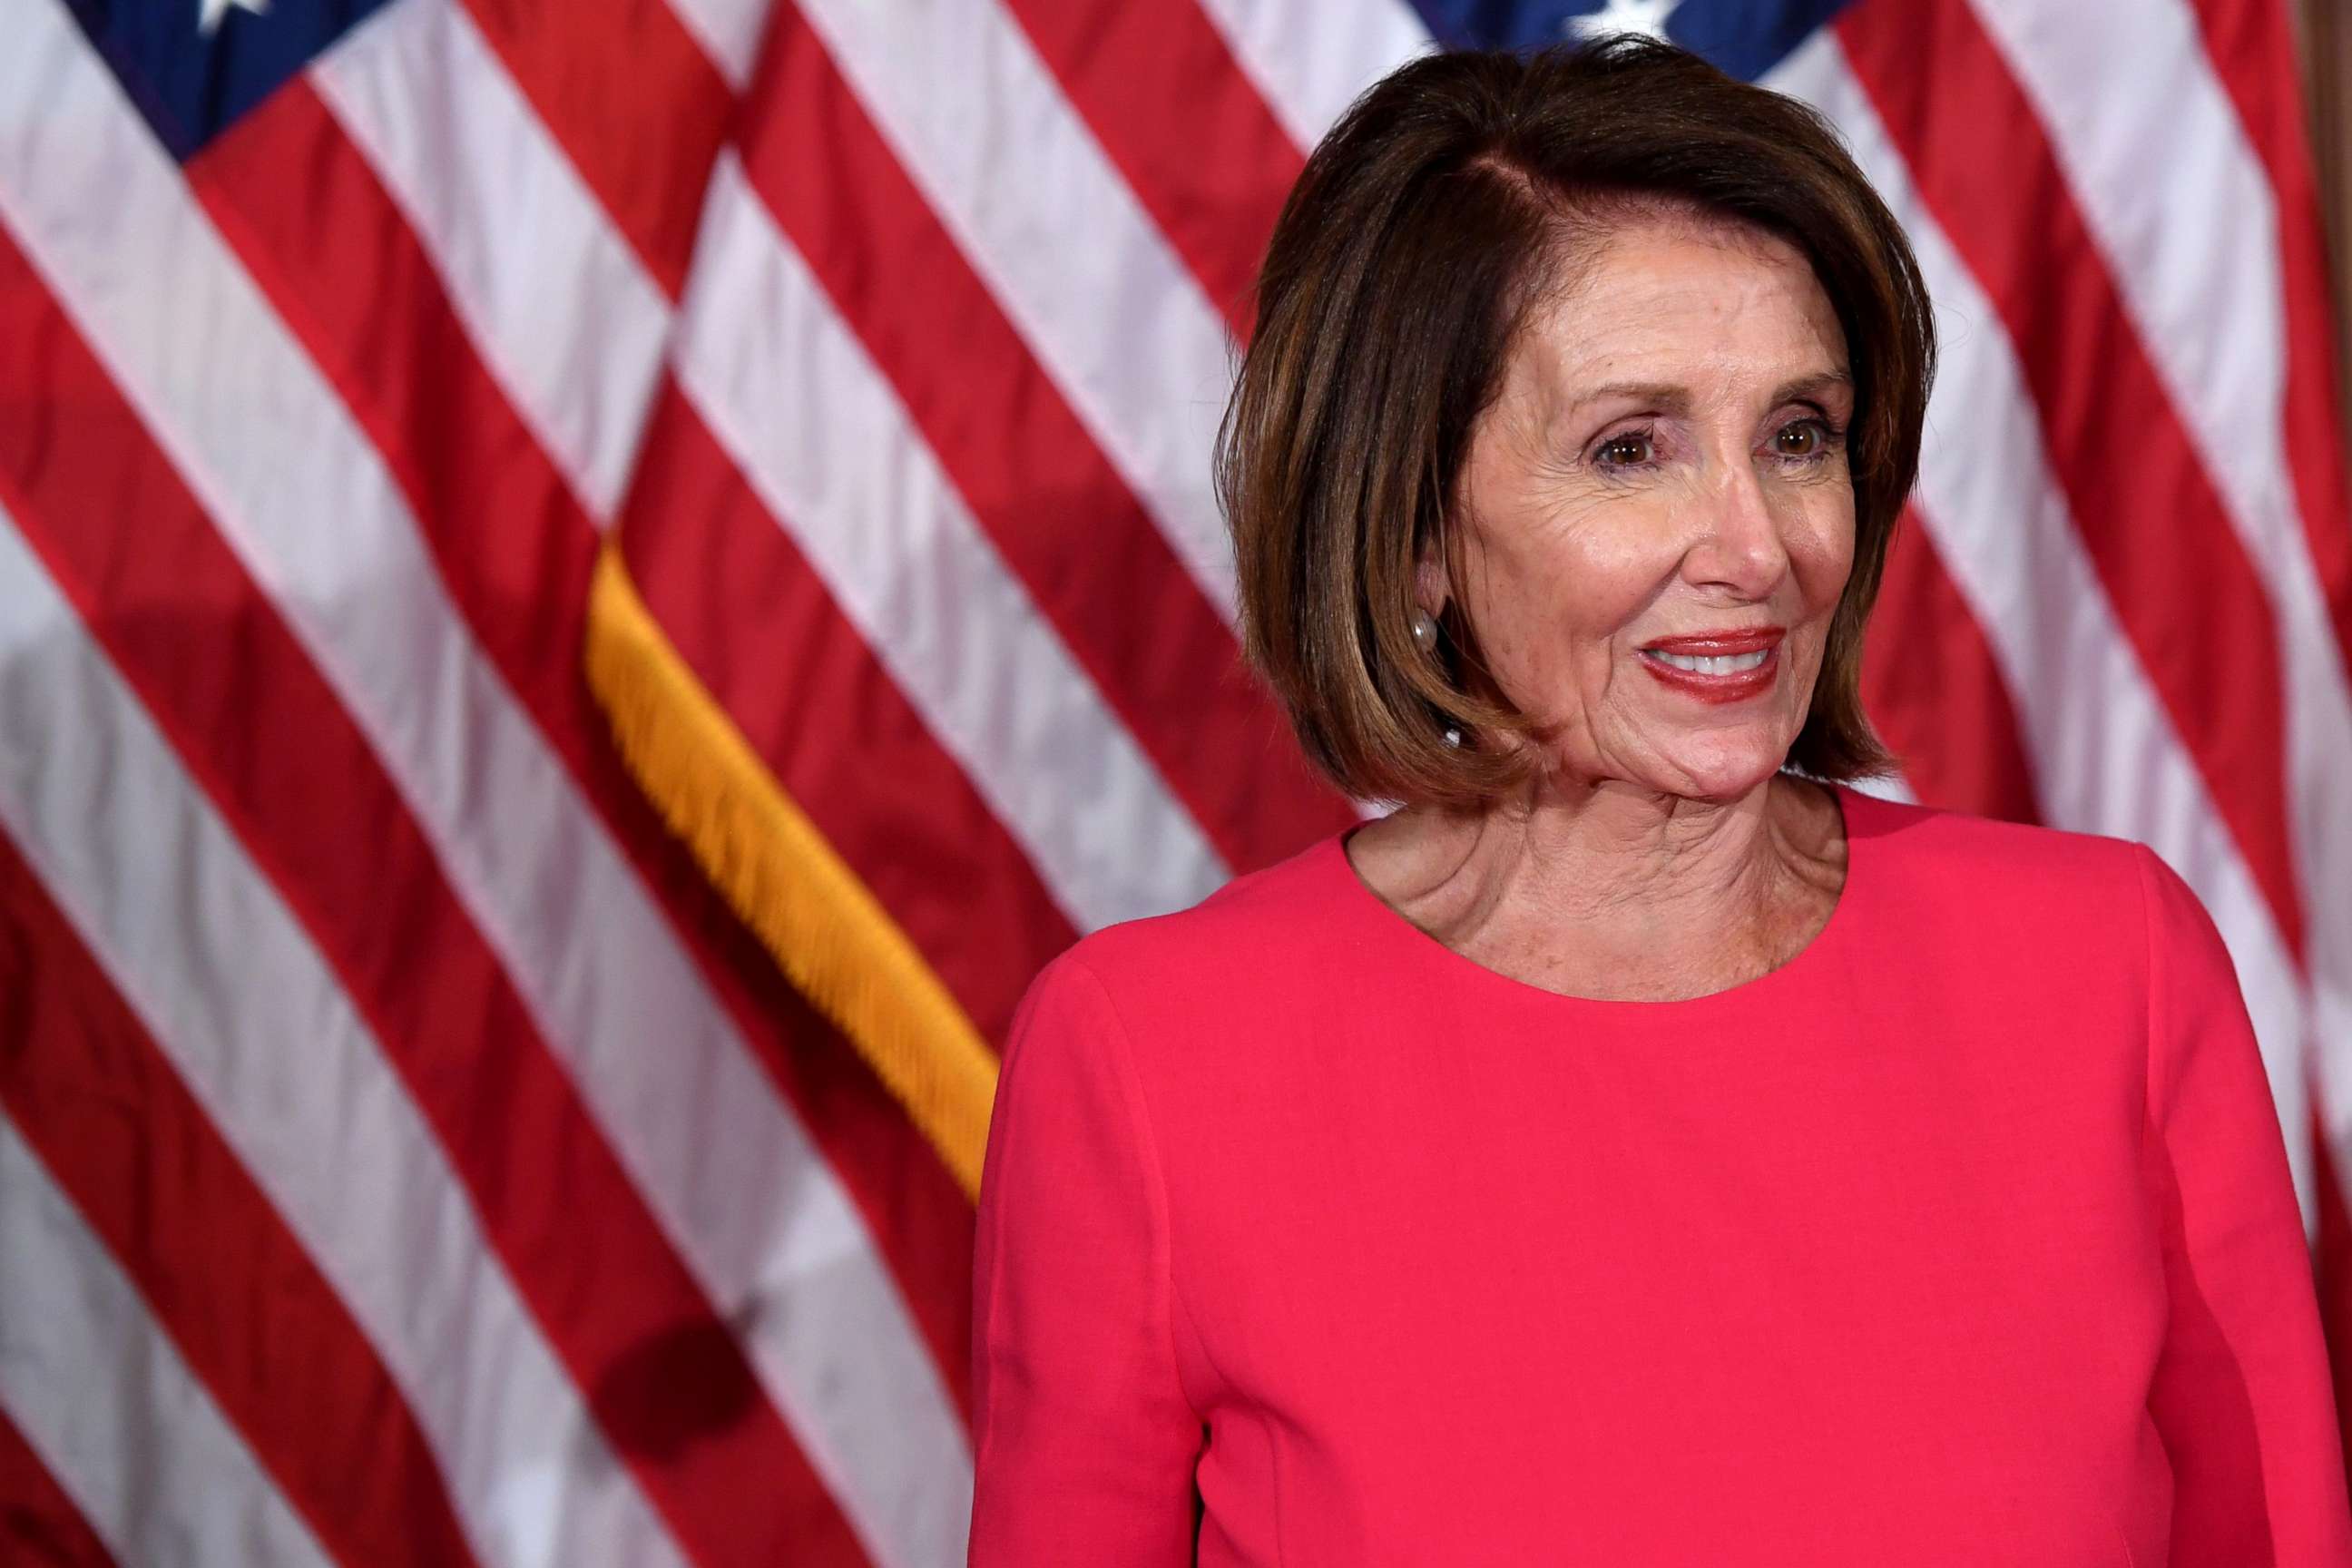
[{"x": 1966, "y": 1237}]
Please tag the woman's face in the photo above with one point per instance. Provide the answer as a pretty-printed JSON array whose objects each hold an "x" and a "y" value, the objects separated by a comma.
[{"x": 1660, "y": 519}]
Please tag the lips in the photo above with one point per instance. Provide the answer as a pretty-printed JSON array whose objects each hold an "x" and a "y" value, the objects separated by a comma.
[
  {"x": 1715, "y": 644},
  {"x": 1730, "y": 664}
]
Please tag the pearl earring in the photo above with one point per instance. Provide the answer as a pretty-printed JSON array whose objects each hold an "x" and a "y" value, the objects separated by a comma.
[
  {"x": 1424, "y": 631},
  {"x": 1454, "y": 734}
]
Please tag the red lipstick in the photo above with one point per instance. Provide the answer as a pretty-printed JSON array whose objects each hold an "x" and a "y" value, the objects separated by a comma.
[{"x": 1718, "y": 685}]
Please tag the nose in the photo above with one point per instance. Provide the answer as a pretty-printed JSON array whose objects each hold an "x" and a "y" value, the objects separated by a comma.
[{"x": 1739, "y": 544}]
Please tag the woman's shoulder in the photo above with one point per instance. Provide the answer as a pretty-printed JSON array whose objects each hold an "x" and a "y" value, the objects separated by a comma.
[
  {"x": 1258, "y": 929},
  {"x": 1944, "y": 857}
]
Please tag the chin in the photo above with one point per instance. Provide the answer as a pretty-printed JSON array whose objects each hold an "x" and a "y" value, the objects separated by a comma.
[{"x": 1725, "y": 772}]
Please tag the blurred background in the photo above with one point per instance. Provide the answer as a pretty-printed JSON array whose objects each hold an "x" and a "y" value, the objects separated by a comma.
[
  {"x": 587, "y": 590},
  {"x": 2324, "y": 45}
]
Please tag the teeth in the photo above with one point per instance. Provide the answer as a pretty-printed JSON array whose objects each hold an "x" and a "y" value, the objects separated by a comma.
[{"x": 1713, "y": 664}]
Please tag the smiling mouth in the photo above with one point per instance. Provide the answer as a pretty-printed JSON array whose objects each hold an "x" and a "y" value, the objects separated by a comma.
[
  {"x": 1712, "y": 663},
  {"x": 1717, "y": 666}
]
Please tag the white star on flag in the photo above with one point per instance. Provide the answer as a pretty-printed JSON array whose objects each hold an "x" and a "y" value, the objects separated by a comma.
[
  {"x": 1646, "y": 17},
  {"x": 210, "y": 12}
]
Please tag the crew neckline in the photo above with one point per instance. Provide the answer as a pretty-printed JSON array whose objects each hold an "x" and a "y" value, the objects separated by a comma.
[{"x": 1379, "y": 915}]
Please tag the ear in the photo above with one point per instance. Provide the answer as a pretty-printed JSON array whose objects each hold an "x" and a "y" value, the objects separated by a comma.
[{"x": 1429, "y": 587}]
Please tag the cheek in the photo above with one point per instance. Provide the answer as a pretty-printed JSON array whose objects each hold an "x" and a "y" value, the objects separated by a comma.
[
  {"x": 1820, "y": 553},
  {"x": 1570, "y": 596}
]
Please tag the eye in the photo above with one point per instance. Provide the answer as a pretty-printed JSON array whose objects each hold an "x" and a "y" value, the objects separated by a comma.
[
  {"x": 1803, "y": 440},
  {"x": 1630, "y": 450}
]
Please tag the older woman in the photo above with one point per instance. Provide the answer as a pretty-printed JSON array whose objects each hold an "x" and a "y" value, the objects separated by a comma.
[{"x": 1639, "y": 1147}]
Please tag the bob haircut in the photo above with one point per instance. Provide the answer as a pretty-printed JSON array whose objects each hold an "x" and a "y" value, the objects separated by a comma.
[{"x": 1451, "y": 195}]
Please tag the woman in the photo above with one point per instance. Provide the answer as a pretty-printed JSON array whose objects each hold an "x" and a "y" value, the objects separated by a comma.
[{"x": 1639, "y": 1147}]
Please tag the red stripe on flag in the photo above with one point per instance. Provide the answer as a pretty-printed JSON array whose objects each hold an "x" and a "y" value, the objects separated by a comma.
[
  {"x": 1159, "y": 89},
  {"x": 743, "y": 607},
  {"x": 308, "y": 216},
  {"x": 918, "y": 1215},
  {"x": 121, "y": 1135},
  {"x": 1938, "y": 698},
  {"x": 40, "y": 1527},
  {"x": 241, "y": 702},
  {"x": 1064, "y": 520},
  {"x": 634, "y": 103},
  {"x": 2158, "y": 533},
  {"x": 2251, "y": 45}
]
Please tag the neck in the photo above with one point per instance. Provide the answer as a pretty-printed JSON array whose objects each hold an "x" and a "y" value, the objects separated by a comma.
[
  {"x": 1600, "y": 885},
  {"x": 1607, "y": 847}
]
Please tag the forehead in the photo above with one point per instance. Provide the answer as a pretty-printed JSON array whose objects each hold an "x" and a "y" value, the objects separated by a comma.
[{"x": 1676, "y": 297}]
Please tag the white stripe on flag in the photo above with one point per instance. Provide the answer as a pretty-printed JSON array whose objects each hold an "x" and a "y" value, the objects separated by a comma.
[
  {"x": 1310, "y": 61},
  {"x": 2123, "y": 89},
  {"x": 115, "y": 1415},
  {"x": 729, "y": 31},
  {"x": 698, "y": 1125},
  {"x": 1101, "y": 869},
  {"x": 1067, "y": 248},
  {"x": 555, "y": 302},
  {"x": 850, "y": 479},
  {"x": 1890, "y": 786},
  {"x": 2106, "y": 757},
  {"x": 203, "y": 951}
]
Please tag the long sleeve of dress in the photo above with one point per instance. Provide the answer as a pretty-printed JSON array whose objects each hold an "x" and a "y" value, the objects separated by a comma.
[
  {"x": 1086, "y": 1443},
  {"x": 2241, "y": 1394}
]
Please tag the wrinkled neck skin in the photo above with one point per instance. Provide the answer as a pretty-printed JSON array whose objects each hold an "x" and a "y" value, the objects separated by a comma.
[{"x": 1606, "y": 889}]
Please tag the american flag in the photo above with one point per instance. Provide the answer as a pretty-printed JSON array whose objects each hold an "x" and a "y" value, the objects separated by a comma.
[{"x": 421, "y": 421}]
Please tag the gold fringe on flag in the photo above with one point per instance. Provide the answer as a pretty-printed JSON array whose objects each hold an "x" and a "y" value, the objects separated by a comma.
[{"x": 803, "y": 901}]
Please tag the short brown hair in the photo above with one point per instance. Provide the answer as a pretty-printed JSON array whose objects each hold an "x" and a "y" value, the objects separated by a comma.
[{"x": 1399, "y": 269}]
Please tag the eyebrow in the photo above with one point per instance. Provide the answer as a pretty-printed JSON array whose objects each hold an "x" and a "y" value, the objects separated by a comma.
[
  {"x": 1666, "y": 395},
  {"x": 1809, "y": 388},
  {"x": 1671, "y": 399}
]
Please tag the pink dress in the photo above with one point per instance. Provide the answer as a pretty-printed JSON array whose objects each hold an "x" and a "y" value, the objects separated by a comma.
[{"x": 1964, "y": 1238}]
